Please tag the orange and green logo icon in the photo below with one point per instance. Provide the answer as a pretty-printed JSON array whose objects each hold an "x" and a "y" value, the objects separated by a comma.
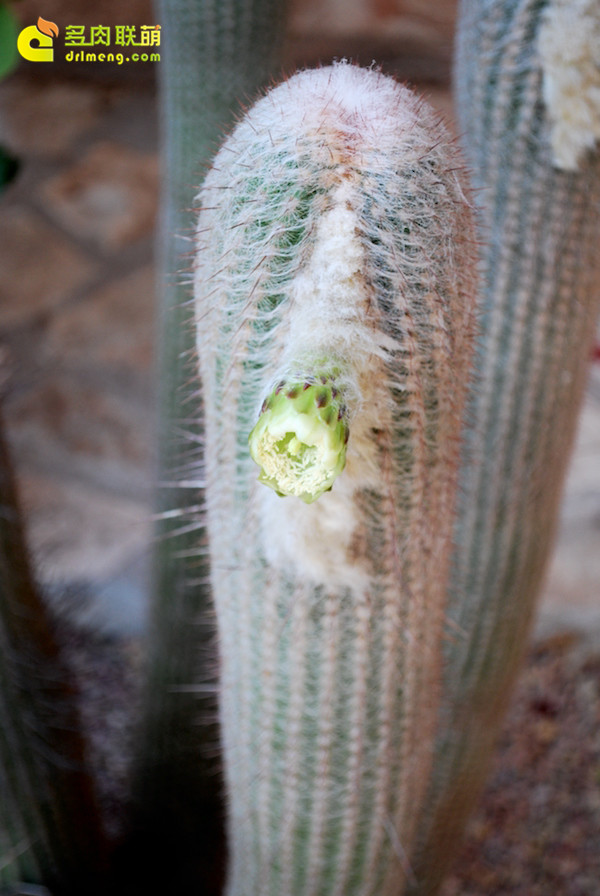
[{"x": 35, "y": 43}]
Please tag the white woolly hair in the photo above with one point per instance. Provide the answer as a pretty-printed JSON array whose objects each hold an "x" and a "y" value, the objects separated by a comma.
[
  {"x": 569, "y": 49},
  {"x": 333, "y": 226}
]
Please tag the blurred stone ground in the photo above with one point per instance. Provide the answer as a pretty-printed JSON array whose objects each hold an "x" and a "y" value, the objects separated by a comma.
[
  {"x": 77, "y": 300},
  {"x": 76, "y": 331}
]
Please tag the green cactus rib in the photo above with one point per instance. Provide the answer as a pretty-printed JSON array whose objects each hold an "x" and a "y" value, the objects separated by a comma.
[
  {"x": 540, "y": 234},
  {"x": 334, "y": 224}
]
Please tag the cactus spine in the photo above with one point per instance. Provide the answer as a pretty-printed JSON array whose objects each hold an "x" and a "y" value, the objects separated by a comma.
[
  {"x": 334, "y": 232},
  {"x": 540, "y": 229}
]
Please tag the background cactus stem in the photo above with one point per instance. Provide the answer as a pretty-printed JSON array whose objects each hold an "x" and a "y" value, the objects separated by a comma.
[
  {"x": 215, "y": 55},
  {"x": 540, "y": 231}
]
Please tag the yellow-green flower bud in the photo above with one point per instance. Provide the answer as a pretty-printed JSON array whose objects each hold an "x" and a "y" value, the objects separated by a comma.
[{"x": 300, "y": 438}]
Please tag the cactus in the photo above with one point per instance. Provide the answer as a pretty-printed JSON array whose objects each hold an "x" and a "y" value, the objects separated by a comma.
[
  {"x": 215, "y": 55},
  {"x": 335, "y": 246},
  {"x": 335, "y": 283},
  {"x": 539, "y": 204}
]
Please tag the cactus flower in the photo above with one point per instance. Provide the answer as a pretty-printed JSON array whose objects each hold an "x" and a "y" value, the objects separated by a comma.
[{"x": 300, "y": 438}]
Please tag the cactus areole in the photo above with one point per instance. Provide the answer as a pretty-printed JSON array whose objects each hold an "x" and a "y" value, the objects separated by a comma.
[{"x": 334, "y": 291}]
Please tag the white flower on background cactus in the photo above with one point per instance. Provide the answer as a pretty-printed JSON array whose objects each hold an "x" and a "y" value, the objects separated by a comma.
[
  {"x": 569, "y": 48},
  {"x": 334, "y": 288}
]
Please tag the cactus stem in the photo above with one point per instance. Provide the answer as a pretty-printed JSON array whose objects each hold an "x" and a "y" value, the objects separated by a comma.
[{"x": 358, "y": 317}]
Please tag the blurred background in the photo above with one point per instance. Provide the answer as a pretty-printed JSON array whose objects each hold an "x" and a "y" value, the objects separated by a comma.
[{"x": 77, "y": 303}]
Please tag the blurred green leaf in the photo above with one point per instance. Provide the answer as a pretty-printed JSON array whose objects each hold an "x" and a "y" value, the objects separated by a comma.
[{"x": 8, "y": 40}]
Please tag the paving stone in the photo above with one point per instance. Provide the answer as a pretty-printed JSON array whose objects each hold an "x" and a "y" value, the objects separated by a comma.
[
  {"x": 441, "y": 100},
  {"x": 120, "y": 603},
  {"x": 110, "y": 196},
  {"x": 40, "y": 268},
  {"x": 43, "y": 118},
  {"x": 113, "y": 326},
  {"x": 69, "y": 424},
  {"x": 133, "y": 120},
  {"x": 78, "y": 533},
  {"x": 404, "y": 18}
]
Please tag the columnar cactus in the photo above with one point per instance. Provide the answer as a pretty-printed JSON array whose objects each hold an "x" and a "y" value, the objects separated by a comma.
[
  {"x": 334, "y": 291},
  {"x": 214, "y": 56},
  {"x": 537, "y": 179}
]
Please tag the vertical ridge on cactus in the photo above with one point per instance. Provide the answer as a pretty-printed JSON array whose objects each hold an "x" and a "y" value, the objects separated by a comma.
[
  {"x": 540, "y": 231},
  {"x": 334, "y": 224}
]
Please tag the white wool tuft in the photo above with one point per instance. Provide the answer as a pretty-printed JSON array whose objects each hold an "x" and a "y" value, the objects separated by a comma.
[
  {"x": 328, "y": 316},
  {"x": 569, "y": 47}
]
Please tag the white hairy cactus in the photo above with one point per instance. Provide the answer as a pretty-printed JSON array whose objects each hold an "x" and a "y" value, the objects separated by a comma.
[{"x": 335, "y": 246}]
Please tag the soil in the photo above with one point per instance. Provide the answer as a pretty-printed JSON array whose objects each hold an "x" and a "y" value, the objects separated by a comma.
[{"x": 536, "y": 831}]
